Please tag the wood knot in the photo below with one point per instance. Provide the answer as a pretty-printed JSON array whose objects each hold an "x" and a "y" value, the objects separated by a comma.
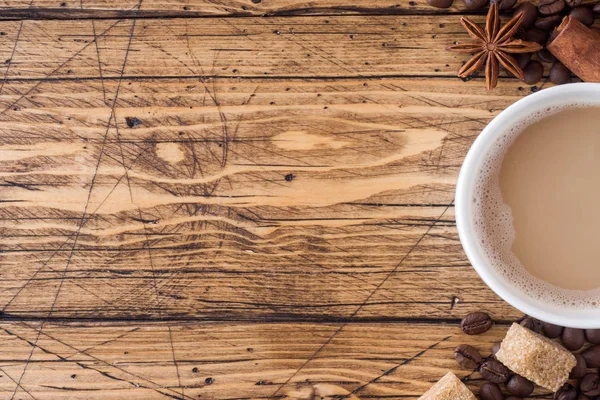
[{"x": 132, "y": 122}]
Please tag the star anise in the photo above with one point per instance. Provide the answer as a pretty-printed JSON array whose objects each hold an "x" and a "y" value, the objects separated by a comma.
[{"x": 492, "y": 45}]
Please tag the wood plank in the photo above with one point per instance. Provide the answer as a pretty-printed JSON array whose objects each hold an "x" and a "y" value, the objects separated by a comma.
[
  {"x": 232, "y": 361},
  {"x": 102, "y": 9},
  {"x": 299, "y": 47},
  {"x": 293, "y": 48},
  {"x": 244, "y": 200},
  {"x": 57, "y": 9}
]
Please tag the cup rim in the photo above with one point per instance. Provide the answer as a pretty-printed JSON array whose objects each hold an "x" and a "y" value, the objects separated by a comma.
[{"x": 558, "y": 95}]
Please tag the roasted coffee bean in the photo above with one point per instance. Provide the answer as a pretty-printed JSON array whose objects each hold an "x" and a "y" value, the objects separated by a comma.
[
  {"x": 559, "y": 74},
  {"x": 566, "y": 392},
  {"x": 590, "y": 385},
  {"x": 513, "y": 398},
  {"x": 550, "y": 330},
  {"x": 532, "y": 324},
  {"x": 572, "y": 338},
  {"x": 533, "y": 72},
  {"x": 585, "y": 15},
  {"x": 493, "y": 371},
  {"x": 530, "y": 13},
  {"x": 440, "y": 3},
  {"x": 535, "y": 35},
  {"x": 592, "y": 356},
  {"x": 467, "y": 356},
  {"x": 593, "y": 335},
  {"x": 490, "y": 391},
  {"x": 476, "y": 323},
  {"x": 573, "y": 3},
  {"x": 583, "y": 397},
  {"x": 519, "y": 386},
  {"x": 550, "y": 7},
  {"x": 496, "y": 348},
  {"x": 476, "y": 4},
  {"x": 580, "y": 368},
  {"x": 596, "y": 8},
  {"x": 548, "y": 23},
  {"x": 554, "y": 331},
  {"x": 522, "y": 59},
  {"x": 504, "y": 4}
]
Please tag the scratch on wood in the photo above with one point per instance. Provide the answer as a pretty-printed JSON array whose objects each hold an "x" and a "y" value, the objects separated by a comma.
[{"x": 393, "y": 369}]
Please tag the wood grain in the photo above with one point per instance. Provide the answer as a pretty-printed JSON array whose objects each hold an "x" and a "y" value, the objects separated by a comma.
[
  {"x": 242, "y": 47},
  {"x": 57, "y": 9},
  {"x": 217, "y": 211},
  {"x": 236, "y": 48},
  {"x": 233, "y": 361}
]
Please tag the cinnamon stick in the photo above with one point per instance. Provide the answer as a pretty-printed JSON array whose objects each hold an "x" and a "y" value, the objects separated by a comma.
[{"x": 578, "y": 48}]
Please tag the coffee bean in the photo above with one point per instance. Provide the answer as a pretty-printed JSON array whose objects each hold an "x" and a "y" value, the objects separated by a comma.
[
  {"x": 567, "y": 392},
  {"x": 573, "y": 3},
  {"x": 467, "y": 356},
  {"x": 572, "y": 338},
  {"x": 550, "y": 7},
  {"x": 532, "y": 324},
  {"x": 590, "y": 385},
  {"x": 504, "y": 4},
  {"x": 535, "y": 35},
  {"x": 548, "y": 23},
  {"x": 490, "y": 391},
  {"x": 559, "y": 74},
  {"x": 550, "y": 330},
  {"x": 513, "y": 398},
  {"x": 475, "y": 4},
  {"x": 554, "y": 331},
  {"x": 440, "y": 3},
  {"x": 493, "y": 371},
  {"x": 596, "y": 8},
  {"x": 476, "y": 323},
  {"x": 496, "y": 348},
  {"x": 519, "y": 386},
  {"x": 593, "y": 335},
  {"x": 583, "y": 397},
  {"x": 585, "y": 15},
  {"x": 533, "y": 72},
  {"x": 592, "y": 356},
  {"x": 580, "y": 368},
  {"x": 530, "y": 13},
  {"x": 522, "y": 59}
]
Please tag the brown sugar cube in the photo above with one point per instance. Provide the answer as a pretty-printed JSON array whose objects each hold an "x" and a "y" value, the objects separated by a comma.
[
  {"x": 535, "y": 357},
  {"x": 448, "y": 388}
]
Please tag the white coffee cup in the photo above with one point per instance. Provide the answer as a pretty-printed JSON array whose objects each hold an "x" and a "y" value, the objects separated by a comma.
[{"x": 588, "y": 93}]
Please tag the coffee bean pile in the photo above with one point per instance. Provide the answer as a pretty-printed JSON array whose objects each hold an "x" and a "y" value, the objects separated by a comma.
[
  {"x": 585, "y": 374},
  {"x": 538, "y": 26}
]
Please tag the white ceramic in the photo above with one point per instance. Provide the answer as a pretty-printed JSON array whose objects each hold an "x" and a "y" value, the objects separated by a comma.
[{"x": 559, "y": 95}]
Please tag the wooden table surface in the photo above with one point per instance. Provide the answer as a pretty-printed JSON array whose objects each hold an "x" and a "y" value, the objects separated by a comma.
[{"x": 276, "y": 219}]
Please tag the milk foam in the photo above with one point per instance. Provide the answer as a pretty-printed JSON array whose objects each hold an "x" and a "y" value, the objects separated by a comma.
[{"x": 494, "y": 228}]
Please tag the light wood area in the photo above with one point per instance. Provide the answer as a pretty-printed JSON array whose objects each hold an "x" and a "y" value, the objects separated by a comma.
[
  {"x": 191, "y": 215},
  {"x": 237, "y": 200}
]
